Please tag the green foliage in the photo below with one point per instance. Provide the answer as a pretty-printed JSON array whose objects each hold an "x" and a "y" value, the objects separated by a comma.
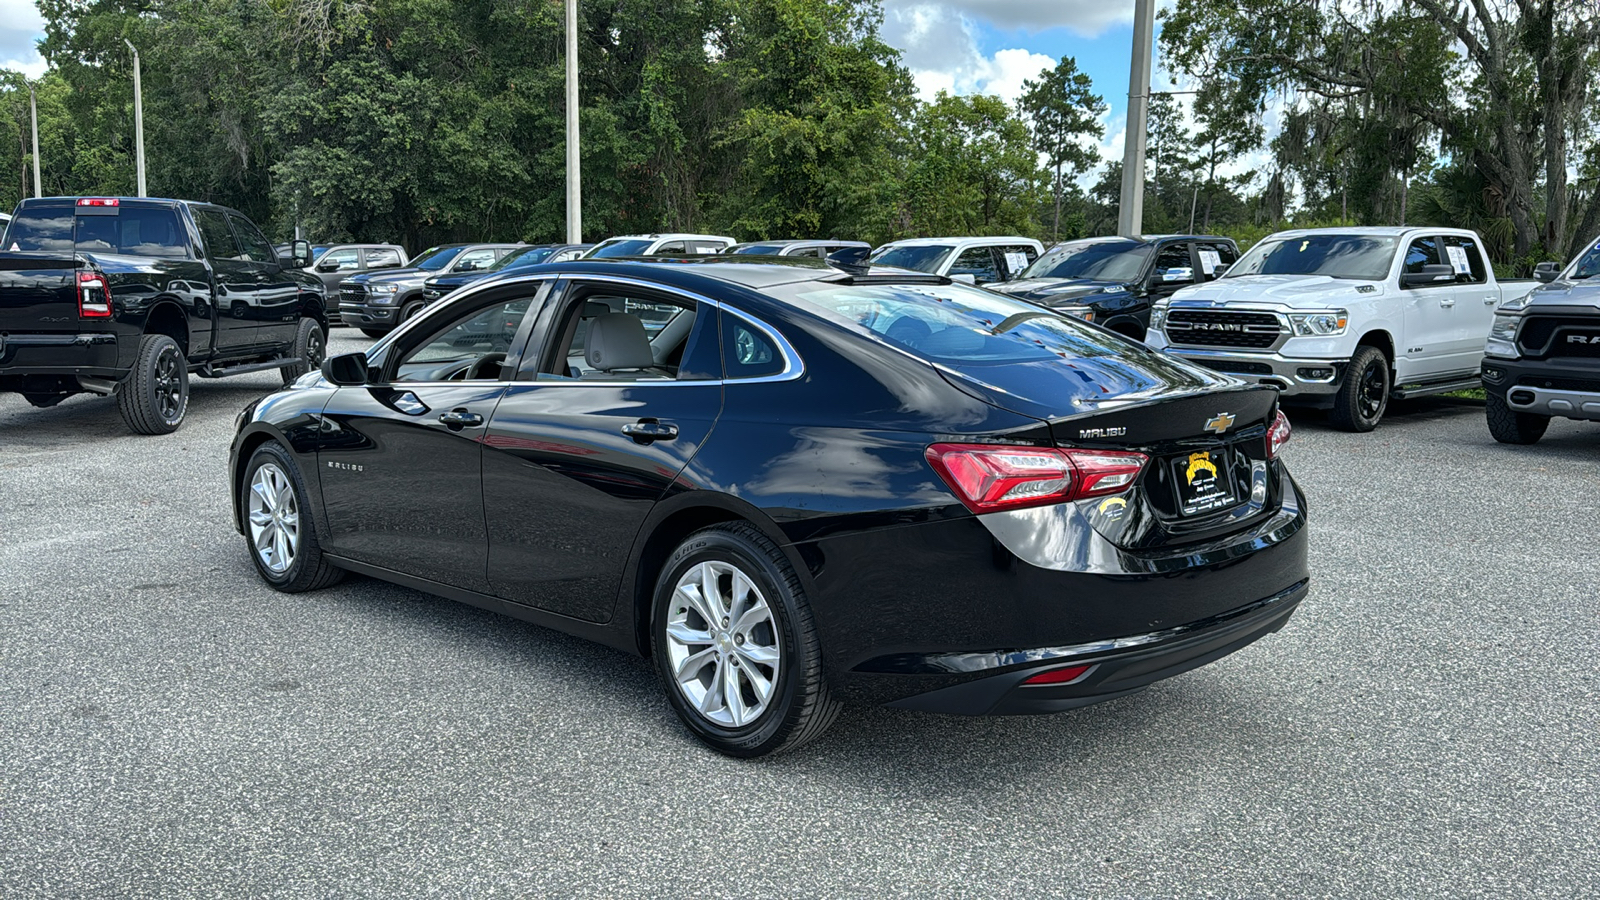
[{"x": 973, "y": 170}]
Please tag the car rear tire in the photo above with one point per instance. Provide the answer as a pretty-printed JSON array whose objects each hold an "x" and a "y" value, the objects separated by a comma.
[
  {"x": 1362, "y": 399},
  {"x": 309, "y": 350},
  {"x": 1511, "y": 427},
  {"x": 733, "y": 638},
  {"x": 278, "y": 527},
  {"x": 374, "y": 332},
  {"x": 155, "y": 396}
]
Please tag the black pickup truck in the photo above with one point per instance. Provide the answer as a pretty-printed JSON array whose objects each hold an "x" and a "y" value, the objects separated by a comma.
[{"x": 124, "y": 297}]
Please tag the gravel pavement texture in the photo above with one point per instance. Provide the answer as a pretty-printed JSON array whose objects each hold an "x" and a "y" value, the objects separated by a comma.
[{"x": 1425, "y": 726}]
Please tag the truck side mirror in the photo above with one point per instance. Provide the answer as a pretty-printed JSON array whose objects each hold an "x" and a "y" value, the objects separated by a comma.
[
  {"x": 300, "y": 254},
  {"x": 346, "y": 369},
  {"x": 1183, "y": 275},
  {"x": 1433, "y": 273},
  {"x": 1546, "y": 271}
]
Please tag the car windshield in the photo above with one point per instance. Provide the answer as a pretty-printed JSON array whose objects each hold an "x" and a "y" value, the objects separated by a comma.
[
  {"x": 1335, "y": 255},
  {"x": 1093, "y": 260},
  {"x": 917, "y": 257},
  {"x": 519, "y": 258},
  {"x": 1588, "y": 264},
  {"x": 434, "y": 258},
  {"x": 621, "y": 247},
  {"x": 953, "y": 323}
]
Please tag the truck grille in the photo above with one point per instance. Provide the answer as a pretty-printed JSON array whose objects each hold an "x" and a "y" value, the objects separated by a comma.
[
  {"x": 1544, "y": 336},
  {"x": 1223, "y": 328},
  {"x": 352, "y": 295}
]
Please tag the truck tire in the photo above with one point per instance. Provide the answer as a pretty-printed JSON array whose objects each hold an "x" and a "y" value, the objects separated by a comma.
[
  {"x": 1364, "y": 395},
  {"x": 410, "y": 311},
  {"x": 375, "y": 332},
  {"x": 310, "y": 348},
  {"x": 155, "y": 395},
  {"x": 278, "y": 526},
  {"x": 1511, "y": 427}
]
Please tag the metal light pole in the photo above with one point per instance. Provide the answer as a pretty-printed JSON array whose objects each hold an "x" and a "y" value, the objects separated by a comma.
[
  {"x": 138, "y": 116},
  {"x": 1130, "y": 218},
  {"x": 574, "y": 181},
  {"x": 33, "y": 105}
]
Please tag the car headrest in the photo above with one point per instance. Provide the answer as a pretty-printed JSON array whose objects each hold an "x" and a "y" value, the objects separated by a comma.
[
  {"x": 592, "y": 310},
  {"x": 617, "y": 341}
]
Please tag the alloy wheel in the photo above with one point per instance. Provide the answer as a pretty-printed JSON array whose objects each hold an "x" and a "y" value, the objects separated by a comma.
[
  {"x": 1374, "y": 389},
  {"x": 169, "y": 384},
  {"x": 314, "y": 349},
  {"x": 722, "y": 644},
  {"x": 274, "y": 519}
]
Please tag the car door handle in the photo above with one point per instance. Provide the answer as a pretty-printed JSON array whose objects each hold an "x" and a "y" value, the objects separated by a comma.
[
  {"x": 1447, "y": 302},
  {"x": 457, "y": 419},
  {"x": 646, "y": 430},
  {"x": 1491, "y": 299}
]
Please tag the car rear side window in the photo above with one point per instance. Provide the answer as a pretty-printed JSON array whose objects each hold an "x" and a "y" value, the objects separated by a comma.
[
  {"x": 383, "y": 258},
  {"x": 748, "y": 351},
  {"x": 1463, "y": 255},
  {"x": 954, "y": 323}
]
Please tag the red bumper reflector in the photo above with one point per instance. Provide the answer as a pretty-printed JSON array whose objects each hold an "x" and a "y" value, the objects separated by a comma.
[{"x": 1058, "y": 676}]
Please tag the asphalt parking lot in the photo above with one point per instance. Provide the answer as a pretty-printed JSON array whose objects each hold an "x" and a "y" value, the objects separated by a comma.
[{"x": 1425, "y": 726}]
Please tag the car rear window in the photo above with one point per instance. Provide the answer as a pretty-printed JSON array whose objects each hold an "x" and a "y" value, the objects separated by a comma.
[
  {"x": 131, "y": 232},
  {"x": 953, "y": 323}
]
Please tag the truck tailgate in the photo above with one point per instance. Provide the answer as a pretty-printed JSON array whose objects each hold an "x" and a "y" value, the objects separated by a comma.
[{"x": 38, "y": 293}]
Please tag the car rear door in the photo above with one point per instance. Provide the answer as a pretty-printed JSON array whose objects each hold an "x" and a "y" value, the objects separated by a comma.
[
  {"x": 400, "y": 459},
  {"x": 277, "y": 306},
  {"x": 237, "y": 285},
  {"x": 576, "y": 456},
  {"x": 1476, "y": 300}
]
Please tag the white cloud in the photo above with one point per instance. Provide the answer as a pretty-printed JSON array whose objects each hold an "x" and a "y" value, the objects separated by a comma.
[
  {"x": 1089, "y": 18},
  {"x": 938, "y": 47},
  {"x": 20, "y": 26}
]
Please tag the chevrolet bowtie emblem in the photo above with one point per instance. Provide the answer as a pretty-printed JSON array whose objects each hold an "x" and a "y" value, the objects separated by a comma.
[{"x": 1221, "y": 423}]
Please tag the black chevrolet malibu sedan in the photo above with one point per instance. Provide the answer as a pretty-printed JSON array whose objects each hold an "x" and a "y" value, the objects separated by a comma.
[{"x": 792, "y": 486}]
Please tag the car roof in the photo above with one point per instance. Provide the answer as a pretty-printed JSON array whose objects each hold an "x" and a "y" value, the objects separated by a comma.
[
  {"x": 668, "y": 235},
  {"x": 983, "y": 240},
  {"x": 1373, "y": 231},
  {"x": 750, "y": 271}
]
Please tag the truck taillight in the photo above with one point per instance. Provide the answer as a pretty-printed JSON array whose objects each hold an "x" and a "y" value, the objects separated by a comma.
[
  {"x": 990, "y": 477},
  {"x": 94, "y": 296},
  {"x": 1278, "y": 434}
]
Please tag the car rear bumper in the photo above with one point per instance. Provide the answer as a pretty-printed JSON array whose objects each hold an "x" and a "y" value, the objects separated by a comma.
[
  {"x": 91, "y": 353},
  {"x": 1117, "y": 667},
  {"x": 1568, "y": 387},
  {"x": 953, "y": 614}
]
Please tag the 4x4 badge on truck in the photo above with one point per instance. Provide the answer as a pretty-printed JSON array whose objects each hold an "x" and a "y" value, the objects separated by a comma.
[{"x": 1221, "y": 423}]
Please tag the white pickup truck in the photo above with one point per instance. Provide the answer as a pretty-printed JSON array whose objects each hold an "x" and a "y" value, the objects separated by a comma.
[{"x": 1344, "y": 318}]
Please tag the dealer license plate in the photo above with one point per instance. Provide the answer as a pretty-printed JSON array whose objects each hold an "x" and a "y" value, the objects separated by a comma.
[{"x": 1204, "y": 482}]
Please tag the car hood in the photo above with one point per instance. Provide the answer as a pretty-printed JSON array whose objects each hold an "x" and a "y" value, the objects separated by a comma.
[
  {"x": 1048, "y": 291},
  {"x": 457, "y": 280},
  {"x": 399, "y": 275},
  {"x": 1295, "y": 291},
  {"x": 1567, "y": 293}
]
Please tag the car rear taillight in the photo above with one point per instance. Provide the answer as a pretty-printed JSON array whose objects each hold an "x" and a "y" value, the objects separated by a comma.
[
  {"x": 94, "y": 296},
  {"x": 1065, "y": 675},
  {"x": 1278, "y": 434},
  {"x": 99, "y": 201},
  {"x": 990, "y": 477}
]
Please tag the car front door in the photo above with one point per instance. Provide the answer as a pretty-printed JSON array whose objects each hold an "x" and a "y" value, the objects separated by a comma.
[
  {"x": 977, "y": 264},
  {"x": 1429, "y": 314},
  {"x": 1174, "y": 269},
  {"x": 400, "y": 459},
  {"x": 587, "y": 440},
  {"x": 337, "y": 265},
  {"x": 237, "y": 287}
]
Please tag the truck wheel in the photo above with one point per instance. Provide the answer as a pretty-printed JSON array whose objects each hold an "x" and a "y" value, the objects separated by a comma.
[
  {"x": 1364, "y": 396},
  {"x": 155, "y": 395},
  {"x": 410, "y": 312},
  {"x": 374, "y": 332},
  {"x": 734, "y": 640},
  {"x": 278, "y": 526},
  {"x": 310, "y": 347},
  {"x": 1511, "y": 427}
]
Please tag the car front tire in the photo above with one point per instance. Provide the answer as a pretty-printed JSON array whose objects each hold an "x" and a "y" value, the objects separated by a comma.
[
  {"x": 1511, "y": 427},
  {"x": 278, "y": 526},
  {"x": 733, "y": 638},
  {"x": 1364, "y": 396}
]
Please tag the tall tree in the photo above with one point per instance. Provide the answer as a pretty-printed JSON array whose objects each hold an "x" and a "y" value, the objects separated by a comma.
[
  {"x": 1063, "y": 109},
  {"x": 973, "y": 169}
]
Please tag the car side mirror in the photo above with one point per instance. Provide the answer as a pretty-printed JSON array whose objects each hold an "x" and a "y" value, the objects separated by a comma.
[
  {"x": 1546, "y": 271},
  {"x": 328, "y": 265},
  {"x": 300, "y": 254},
  {"x": 1433, "y": 273},
  {"x": 965, "y": 278},
  {"x": 1182, "y": 275},
  {"x": 346, "y": 369}
]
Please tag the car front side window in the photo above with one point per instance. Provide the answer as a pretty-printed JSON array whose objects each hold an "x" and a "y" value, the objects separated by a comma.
[{"x": 472, "y": 347}]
